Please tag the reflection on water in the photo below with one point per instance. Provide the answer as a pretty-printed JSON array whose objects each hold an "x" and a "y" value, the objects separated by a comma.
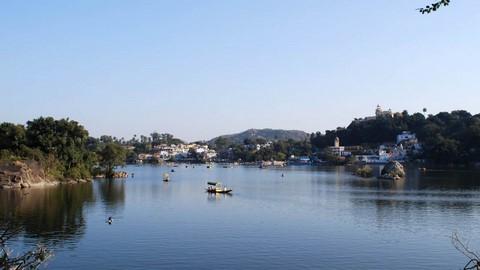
[
  {"x": 214, "y": 197},
  {"x": 112, "y": 193},
  {"x": 52, "y": 214},
  {"x": 308, "y": 218},
  {"x": 56, "y": 214}
]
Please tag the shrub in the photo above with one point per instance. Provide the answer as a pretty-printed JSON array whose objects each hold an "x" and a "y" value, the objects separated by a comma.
[{"x": 365, "y": 171}]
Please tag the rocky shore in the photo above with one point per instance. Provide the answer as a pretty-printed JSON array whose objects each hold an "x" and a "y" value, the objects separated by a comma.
[
  {"x": 26, "y": 174},
  {"x": 393, "y": 170},
  {"x": 118, "y": 174}
]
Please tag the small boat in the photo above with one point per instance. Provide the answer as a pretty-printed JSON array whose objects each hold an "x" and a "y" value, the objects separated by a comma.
[
  {"x": 217, "y": 187},
  {"x": 166, "y": 177}
]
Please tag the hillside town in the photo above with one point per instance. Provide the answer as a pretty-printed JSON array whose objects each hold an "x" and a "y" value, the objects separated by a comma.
[
  {"x": 403, "y": 147},
  {"x": 191, "y": 152}
]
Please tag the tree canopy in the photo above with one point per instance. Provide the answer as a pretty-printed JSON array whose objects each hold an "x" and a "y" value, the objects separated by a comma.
[
  {"x": 111, "y": 155},
  {"x": 59, "y": 145},
  {"x": 447, "y": 137}
]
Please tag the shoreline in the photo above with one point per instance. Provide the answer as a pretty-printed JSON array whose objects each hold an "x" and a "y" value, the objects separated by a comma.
[{"x": 43, "y": 184}]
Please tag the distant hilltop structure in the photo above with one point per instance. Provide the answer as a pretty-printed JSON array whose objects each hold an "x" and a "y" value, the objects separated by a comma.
[{"x": 379, "y": 113}]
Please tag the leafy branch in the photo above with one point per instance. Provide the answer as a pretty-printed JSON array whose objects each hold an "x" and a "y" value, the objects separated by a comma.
[
  {"x": 434, "y": 6},
  {"x": 32, "y": 259},
  {"x": 462, "y": 246}
]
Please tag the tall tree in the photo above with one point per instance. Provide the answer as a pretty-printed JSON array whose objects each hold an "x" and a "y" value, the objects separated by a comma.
[
  {"x": 111, "y": 156},
  {"x": 12, "y": 136}
]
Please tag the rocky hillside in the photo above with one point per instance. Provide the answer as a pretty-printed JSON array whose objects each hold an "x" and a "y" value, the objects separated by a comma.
[
  {"x": 20, "y": 174},
  {"x": 267, "y": 134}
]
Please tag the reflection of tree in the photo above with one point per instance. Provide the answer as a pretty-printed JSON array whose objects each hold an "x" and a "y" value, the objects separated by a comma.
[
  {"x": 112, "y": 192},
  {"x": 52, "y": 214},
  {"x": 442, "y": 190}
]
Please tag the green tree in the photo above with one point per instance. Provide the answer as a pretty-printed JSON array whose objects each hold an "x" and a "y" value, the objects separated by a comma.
[
  {"x": 12, "y": 137},
  {"x": 111, "y": 156},
  {"x": 221, "y": 143},
  {"x": 64, "y": 139}
]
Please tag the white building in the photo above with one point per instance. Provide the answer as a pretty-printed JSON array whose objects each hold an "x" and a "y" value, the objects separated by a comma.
[
  {"x": 381, "y": 113},
  {"x": 406, "y": 136},
  {"x": 338, "y": 150}
]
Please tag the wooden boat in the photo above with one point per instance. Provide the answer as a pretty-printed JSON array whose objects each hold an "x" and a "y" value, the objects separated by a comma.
[
  {"x": 217, "y": 187},
  {"x": 219, "y": 190}
]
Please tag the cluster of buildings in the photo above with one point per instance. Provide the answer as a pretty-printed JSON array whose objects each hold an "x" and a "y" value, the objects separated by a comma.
[
  {"x": 178, "y": 152},
  {"x": 343, "y": 151},
  {"x": 406, "y": 145}
]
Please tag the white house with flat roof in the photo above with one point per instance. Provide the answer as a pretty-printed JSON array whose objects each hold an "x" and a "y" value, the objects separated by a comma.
[{"x": 406, "y": 136}]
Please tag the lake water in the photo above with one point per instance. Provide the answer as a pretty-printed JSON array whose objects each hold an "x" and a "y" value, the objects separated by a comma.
[{"x": 313, "y": 218}]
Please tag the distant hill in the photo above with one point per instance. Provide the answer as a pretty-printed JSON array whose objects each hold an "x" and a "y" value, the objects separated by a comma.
[{"x": 266, "y": 133}]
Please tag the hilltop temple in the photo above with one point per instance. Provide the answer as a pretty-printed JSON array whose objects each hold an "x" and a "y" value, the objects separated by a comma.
[{"x": 379, "y": 112}]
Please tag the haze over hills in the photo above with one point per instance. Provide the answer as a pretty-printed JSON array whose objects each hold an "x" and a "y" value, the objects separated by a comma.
[{"x": 266, "y": 133}]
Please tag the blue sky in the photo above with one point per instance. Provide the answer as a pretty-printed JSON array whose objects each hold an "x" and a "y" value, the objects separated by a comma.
[{"x": 199, "y": 69}]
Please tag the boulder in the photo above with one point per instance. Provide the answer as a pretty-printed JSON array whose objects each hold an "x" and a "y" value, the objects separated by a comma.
[
  {"x": 21, "y": 174},
  {"x": 120, "y": 174},
  {"x": 393, "y": 170},
  {"x": 25, "y": 185}
]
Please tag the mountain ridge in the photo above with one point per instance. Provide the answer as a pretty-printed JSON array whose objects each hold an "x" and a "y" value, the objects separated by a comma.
[{"x": 268, "y": 134}]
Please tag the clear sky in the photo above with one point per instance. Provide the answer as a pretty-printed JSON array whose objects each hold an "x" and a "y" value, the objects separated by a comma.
[{"x": 199, "y": 69}]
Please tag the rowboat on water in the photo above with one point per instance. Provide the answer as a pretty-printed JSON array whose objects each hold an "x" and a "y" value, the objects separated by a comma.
[{"x": 217, "y": 187}]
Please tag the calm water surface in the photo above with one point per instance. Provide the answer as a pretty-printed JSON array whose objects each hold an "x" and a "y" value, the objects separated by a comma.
[{"x": 313, "y": 218}]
